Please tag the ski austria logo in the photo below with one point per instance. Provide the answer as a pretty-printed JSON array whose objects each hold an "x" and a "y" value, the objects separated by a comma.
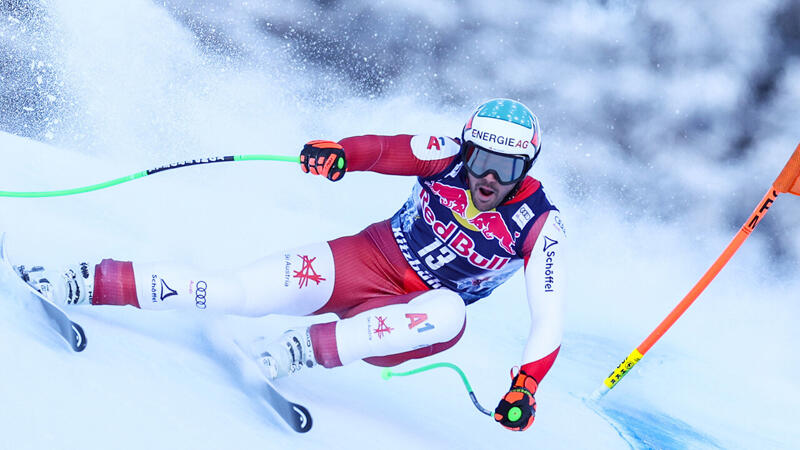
[
  {"x": 382, "y": 327},
  {"x": 380, "y": 330},
  {"x": 287, "y": 269},
  {"x": 549, "y": 273},
  {"x": 307, "y": 272}
]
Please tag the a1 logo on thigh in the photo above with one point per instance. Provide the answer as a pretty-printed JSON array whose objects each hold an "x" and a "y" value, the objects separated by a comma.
[{"x": 416, "y": 319}]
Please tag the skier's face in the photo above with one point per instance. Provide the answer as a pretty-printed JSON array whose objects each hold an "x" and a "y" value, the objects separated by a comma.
[{"x": 487, "y": 192}]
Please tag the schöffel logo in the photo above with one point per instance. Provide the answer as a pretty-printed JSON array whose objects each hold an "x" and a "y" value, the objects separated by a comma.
[
  {"x": 549, "y": 273},
  {"x": 165, "y": 292},
  {"x": 548, "y": 242}
]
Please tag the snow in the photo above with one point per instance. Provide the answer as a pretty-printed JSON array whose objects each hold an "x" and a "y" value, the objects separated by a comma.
[{"x": 724, "y": 376}]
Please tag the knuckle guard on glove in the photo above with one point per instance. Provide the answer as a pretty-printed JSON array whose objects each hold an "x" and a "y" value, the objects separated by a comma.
[
  {"x": 517, "y": 408},
  {"x": 324, "y": 158}
]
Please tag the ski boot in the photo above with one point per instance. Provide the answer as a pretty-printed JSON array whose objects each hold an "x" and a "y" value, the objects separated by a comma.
[
  {"x": 73, "y": 286},
  {"x": 286, "y": 355}
]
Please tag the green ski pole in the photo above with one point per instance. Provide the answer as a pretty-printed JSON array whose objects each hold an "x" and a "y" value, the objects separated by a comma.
[
  {"x": 144, "y": 173},
  {"x": 387, "y": 373}
]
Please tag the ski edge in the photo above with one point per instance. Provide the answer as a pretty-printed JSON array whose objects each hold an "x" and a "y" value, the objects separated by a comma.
[{"x": 70, "y": 331}]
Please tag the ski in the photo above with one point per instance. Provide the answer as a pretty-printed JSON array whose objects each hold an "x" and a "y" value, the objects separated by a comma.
[
  {"x": 71, "y": 332},
  {"x": 295, "y": 415}
]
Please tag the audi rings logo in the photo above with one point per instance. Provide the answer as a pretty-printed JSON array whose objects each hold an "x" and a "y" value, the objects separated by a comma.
[{"x": 200, "y": 294}]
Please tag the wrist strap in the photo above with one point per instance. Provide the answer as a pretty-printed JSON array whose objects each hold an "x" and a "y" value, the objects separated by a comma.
[
  {"x": 524, "y": 383},
  {"x": 522, "y": 390}
]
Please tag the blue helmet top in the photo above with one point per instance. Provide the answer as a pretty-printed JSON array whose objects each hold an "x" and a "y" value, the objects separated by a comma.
[{"x": 504, "y": 126}]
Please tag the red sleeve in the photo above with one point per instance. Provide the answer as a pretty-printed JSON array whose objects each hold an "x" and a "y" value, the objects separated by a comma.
[
  {"x": 391, "y": 155},
  {"x": 538, "y": 369}
]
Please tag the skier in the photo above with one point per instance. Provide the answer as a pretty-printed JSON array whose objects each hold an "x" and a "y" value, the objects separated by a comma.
[{"x": 400, "y": 286}]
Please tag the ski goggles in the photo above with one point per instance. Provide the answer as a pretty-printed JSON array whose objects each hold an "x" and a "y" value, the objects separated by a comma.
[{"x": 508, "y": 169}]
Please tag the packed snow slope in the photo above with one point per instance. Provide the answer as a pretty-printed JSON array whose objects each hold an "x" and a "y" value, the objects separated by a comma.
[{"x": 130, "y": 86}]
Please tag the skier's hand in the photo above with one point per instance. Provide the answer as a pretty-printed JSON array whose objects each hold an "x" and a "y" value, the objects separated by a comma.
[
  {"x": 324, "y": 158},
  {"x": 517, "y": 408}
]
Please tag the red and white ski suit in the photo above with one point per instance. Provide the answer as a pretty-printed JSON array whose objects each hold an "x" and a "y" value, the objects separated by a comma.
[{"x": 396, "y": 300}]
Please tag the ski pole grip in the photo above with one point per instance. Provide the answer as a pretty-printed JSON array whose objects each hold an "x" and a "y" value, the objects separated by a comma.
[
  {"x": 622, "y": 369},
  {"x": 789, "y": 178}
]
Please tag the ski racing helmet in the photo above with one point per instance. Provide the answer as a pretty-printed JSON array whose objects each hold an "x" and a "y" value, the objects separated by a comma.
[{"x": 501, "y": 137}]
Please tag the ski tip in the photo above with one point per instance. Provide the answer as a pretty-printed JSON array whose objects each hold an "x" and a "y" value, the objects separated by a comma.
[
  {"x": 79, "y": 341},
  {"x": 302, "y": 419}
]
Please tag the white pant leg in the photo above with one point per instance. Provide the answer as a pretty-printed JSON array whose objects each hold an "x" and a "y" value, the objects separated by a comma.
[
  {"x": 295, "y": 282},
  {"x": 432, "y": 317}
]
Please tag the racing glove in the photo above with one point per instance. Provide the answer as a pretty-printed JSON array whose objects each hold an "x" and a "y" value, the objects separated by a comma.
[
  {"x": 324, "y": 158},
  {"x": 517, "y": 408}
]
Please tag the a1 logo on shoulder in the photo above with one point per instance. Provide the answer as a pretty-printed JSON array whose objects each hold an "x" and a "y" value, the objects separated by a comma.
[{"x": 429, "y": 148}]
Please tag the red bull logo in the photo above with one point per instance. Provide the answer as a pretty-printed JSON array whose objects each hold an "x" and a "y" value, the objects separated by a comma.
[
  {"x": 489, "y": 223},
  {"x": 451, "y": 197},
  {"x": 463, "y": 245},
  {"x": 492, "y": 226}
]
